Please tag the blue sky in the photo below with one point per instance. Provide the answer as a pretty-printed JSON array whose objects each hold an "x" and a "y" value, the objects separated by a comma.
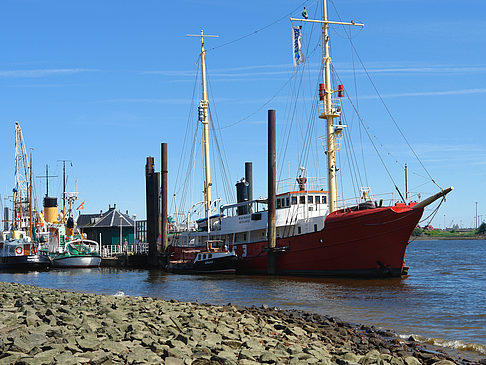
[{"x": 103, "y": 83}]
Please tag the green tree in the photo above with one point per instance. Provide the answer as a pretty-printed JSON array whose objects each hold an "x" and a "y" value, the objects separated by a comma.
[{"x": 481, "y": 229}]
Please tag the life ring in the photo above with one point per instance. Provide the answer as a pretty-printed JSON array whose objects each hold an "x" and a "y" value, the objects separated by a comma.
[
  {"x": 19, "y": 250},
  {"x": 34, "y": 250}
]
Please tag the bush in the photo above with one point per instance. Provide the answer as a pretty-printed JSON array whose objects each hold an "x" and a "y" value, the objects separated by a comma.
[{"x": 481, "y": 229}]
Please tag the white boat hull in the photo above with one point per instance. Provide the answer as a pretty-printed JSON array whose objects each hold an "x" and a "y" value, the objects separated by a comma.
[{"x": 77, "y": 261}]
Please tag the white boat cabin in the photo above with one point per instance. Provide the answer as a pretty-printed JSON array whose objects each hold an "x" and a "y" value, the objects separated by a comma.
[{"x": 297, "y": 213}]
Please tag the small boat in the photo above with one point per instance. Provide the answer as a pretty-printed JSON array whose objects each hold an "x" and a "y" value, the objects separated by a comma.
[
  {"x": 18, "y": 252},
  {"x": 68, "y": 248},
  {"x": 215, "y": 259}
]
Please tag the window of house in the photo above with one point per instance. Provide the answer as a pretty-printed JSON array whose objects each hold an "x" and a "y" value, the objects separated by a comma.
[
  {"x": 294, "y": 200},
  {"x": 302, "y": 199}
]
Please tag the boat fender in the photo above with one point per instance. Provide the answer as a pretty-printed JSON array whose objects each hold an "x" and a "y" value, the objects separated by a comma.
[{"x": 19, "y": 250}]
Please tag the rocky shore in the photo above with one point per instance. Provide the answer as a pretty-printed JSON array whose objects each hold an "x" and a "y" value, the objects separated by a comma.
[{"x": 46, "y": 326}]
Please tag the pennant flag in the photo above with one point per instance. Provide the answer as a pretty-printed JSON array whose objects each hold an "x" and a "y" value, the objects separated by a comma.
[
  {"x": 81, "y": 206},
  {"x": 297, "y": 46}
]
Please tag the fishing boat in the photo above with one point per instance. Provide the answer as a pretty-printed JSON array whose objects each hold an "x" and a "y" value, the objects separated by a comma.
[
  {"x": 305, "y": 229},
  {"x": 62, "y": 242},
  {"x": 19, "y": 249},
  {"x": 214, "y": 259}
]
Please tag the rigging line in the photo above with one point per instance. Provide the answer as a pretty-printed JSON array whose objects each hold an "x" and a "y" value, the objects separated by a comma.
[
  {"x": 374, "y": 146},
  {"x": 189, "y": 124},
  {"x": 385, "y": 106},
  {"x": 223, "y": 160},
  {"x": 352, "y": 166},
  {"x": 259, "y": 30},
  {"x": 360, "y": 131},
  {"x": 354, "y": 158},
  {"x": 314, "y": 107},
  {"x": 260, "y": 108}
]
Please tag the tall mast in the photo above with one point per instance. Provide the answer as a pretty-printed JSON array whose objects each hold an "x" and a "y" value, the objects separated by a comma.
[
  {"x": 330, "y": 112},
  {"x": 63, "y": 189},
  {"x": 20, "y": 193},
  {"x": 204, "y": 119},
  {"x": 329, "y": 116},
  {"x": 31, "y": 226}
]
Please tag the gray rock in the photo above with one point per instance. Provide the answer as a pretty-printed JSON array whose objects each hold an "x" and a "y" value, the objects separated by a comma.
[
  {"x": 88, "y": 343},
  {"x": 173, "y": 361},
  {"x": 410, "y": 360}
]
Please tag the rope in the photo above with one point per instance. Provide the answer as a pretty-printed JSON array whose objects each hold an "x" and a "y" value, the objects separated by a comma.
[
  {"x": 383, "y": 102},
  {"x": 259, "y": 30}
]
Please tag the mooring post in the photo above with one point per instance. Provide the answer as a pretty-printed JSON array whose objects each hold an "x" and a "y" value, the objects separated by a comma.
[
  {"x": 272, "y": 187},
  {"x": 164, "y": 221},
  {"x": 152, "y": 191}
]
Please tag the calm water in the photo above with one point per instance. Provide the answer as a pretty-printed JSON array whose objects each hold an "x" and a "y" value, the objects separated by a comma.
[{"x": 443, "y": 300}]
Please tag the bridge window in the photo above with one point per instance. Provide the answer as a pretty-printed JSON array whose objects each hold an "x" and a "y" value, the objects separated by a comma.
[
  {"x": 302, "y": 199},
  {"x": 279, "y": 204},
  {"x": 310, "y": 199},
  {"x": 318, "y": 199},
  {"x": 299, "y": 230},
  {"x": 324, "y": 199},
  {"x": 294, "y": 200},
  {"x": 288, "y": 202},
  {"x": 211, "y": 255}
]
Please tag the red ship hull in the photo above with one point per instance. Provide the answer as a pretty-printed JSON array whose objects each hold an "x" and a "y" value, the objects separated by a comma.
[{"x": 362, "y": 243}]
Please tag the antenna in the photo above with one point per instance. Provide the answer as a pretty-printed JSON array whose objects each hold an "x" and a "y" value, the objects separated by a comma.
[
  {"x": 64, "y": 184},
  {"x": 47, "y": 176}
]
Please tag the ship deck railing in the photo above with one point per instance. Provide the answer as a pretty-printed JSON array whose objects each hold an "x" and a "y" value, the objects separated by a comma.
[
  {"x": 385, "y": 199},
  {"x": 141, "y": 248},
  {"x": 311, "y": 184}
]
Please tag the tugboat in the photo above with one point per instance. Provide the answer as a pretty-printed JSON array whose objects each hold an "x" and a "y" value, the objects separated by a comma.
[
  {"x": 215, "y": 259},
  {"x": 18, "y": 247},
  {"x": 66, "y": 247}
]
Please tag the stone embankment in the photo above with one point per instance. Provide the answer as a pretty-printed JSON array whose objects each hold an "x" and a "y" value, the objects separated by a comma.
[{"x": 45, "y": 326}]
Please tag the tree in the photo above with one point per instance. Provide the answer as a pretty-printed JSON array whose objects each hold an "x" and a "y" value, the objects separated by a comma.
[{"x": 481, "y": 229}]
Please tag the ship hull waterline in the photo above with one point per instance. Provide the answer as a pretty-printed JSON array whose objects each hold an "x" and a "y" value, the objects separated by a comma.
[
  {"x": 25, "y": 262},
  {"x": 363, "y": 243},
  {"x": 76, "y": 262}
]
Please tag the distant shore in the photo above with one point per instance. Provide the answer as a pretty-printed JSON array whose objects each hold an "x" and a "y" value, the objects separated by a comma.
[
  {"x": 47, "y": 326},
  {"x": 430, "y": 238}
]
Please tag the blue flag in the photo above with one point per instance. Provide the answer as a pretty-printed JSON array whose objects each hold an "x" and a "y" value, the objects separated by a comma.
[{"x": 297, "y": 46}]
